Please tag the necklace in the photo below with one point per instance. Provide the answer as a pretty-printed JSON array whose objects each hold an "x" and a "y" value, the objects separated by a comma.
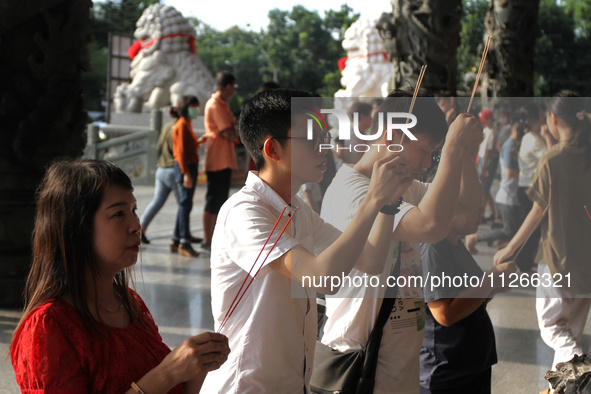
[{"x": 113, "y": 311}]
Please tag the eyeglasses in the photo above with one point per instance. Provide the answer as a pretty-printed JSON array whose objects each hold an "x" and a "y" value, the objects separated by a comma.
[{"x": 321, "y": 138}]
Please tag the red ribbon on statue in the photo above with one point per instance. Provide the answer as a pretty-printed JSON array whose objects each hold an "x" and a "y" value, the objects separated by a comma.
[
  {"x": 137, "y": 46},
  {"x": 343, "y": 61}
]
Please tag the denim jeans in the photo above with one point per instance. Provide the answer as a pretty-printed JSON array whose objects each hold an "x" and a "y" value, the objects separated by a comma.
[
  {"x": 182, "y": 229},
  {"x": 165, "y": 183}
]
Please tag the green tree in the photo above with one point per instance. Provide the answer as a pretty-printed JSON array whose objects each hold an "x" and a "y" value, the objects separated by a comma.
[
  {"x": 581, "y": 11},
  {"x": 118, "y": 16},
  {"x": 562, "y": 51},
  {"x": 93, "y": 81},
  {"x": 303, "y": 48},
  {"x": 235, "y": 50},
  {"x": 115, "y": 16},
  {"x": 474, "y": 12}
]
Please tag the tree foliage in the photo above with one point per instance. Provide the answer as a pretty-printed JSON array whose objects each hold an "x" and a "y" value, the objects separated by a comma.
[
  {"x": 301, "y": 47},
  {"x": 474, "y": 12},
  {"x": 563, "y": 48}
]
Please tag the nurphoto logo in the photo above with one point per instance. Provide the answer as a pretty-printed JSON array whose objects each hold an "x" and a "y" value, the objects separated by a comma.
[{"x": 386, "y": 121}]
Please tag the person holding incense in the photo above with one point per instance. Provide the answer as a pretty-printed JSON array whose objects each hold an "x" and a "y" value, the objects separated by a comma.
[
  {"x": 560, "y": 191},
  {"x": 273, "y": 328},
  {"x": 83, "y": 330},
  {"x": 424, "y": 216}
]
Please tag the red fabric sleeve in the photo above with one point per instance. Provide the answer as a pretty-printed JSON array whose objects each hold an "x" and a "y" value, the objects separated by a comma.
[{"x": 44, "y": 360}]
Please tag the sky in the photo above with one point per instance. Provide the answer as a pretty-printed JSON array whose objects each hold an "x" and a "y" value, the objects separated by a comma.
[{"x": 223, "y": 14}]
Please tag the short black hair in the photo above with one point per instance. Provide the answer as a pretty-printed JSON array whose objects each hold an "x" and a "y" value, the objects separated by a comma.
[
  {"x": 224, "y": 78},
  {"x": 268, "y": 86},
  {"x": 266, "y": 114},
  {"x": 430, "y": 118}
]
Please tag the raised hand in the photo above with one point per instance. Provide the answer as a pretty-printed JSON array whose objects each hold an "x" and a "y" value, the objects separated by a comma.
[
  {"x": 465, "y": 132},
  {"x": 389, "y": 180}
]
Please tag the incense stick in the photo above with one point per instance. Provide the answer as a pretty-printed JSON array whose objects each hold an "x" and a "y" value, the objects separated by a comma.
[
  {"x": 238, "y": 299},
  {"x": 255, "y": 261},
  {"x": 482, "y": 60},
  {"x": 414, "y": 96},
  {"x": 588, "y": 214}
]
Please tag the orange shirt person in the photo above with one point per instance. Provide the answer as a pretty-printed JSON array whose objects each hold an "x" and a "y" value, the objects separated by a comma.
[
  {"x": 220, "y": 158},
  {"x": 186, "y": 161}
]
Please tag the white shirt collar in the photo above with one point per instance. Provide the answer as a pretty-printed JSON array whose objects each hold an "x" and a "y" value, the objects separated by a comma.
[{"x": 265, "y": 191}]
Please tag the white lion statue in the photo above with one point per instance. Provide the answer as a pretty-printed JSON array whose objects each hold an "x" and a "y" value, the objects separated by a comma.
[
  {"x": 366, "y": 69},
  {"x": 164, "y": 65}
]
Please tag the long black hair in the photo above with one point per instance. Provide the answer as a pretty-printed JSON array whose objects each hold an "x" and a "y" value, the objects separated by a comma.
[
  {"x": 181, "y": 109},
  {"x": 67, "y": 199}
]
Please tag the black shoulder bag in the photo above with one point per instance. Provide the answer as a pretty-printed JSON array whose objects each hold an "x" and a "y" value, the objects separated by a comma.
[{"x": 353, "y": 372}]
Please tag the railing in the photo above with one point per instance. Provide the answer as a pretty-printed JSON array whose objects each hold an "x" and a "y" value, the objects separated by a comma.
[
  {"x": 135, "y": 151},
  {"x": 132, "y": 145}
]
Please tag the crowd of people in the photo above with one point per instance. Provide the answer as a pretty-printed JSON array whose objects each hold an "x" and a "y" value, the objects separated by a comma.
[{"x": 85, "y": 329}]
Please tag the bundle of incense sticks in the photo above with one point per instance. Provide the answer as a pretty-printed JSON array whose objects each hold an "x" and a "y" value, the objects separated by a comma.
[
  {"x": 486, "y": 46},
  {"x": 415, "y": 94},
  {"x": 240, "y": 294}
]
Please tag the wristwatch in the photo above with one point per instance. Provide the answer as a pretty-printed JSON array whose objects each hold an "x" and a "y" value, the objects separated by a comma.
[{"x": 391, "y": 209}]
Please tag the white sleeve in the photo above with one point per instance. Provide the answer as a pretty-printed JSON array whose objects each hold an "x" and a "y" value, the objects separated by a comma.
[
  {"x": 247, "y": 228},
  {"x": 490, "y": 140},
  {"x": 415, "y": 192}
]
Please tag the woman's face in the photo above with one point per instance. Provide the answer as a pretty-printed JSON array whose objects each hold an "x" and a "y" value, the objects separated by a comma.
[
  {"x": 116, "y": 231},
  {"x": 193, "y": 111},
  {"x": 551, "y": 123}
]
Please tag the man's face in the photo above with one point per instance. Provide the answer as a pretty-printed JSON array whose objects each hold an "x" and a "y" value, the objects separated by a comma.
[
  {"x": 418, "y": 153},
  {"x": 229, "y": 90},
  {"x": 307, "y": 164}
]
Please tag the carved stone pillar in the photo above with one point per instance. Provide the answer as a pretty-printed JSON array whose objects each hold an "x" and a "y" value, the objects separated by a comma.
[
  {"x": 509, "y": 67},
  {"x": 419, "y": 32},
  {"x": 43, "y": 49}
]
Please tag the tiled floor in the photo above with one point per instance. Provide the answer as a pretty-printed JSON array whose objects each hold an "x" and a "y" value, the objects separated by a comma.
[{"x": 177, "y": 292}]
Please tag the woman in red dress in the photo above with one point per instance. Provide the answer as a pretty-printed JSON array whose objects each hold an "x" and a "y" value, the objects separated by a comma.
[{"x": 83, "y": 329}]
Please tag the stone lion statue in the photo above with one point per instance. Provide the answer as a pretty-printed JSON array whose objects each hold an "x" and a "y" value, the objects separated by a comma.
[
  {"x": 366, "y": 69},
  {"x": 571, "y": 377},
  {"x": 164, "y": 65}
]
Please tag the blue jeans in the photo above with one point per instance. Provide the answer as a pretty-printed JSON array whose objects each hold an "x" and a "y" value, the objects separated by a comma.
[
  {"x": 182, "y": 229},
  {"x": 165, "y": 183}
]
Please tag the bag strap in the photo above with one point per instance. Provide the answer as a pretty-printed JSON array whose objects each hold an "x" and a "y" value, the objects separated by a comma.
[{"x": 372, "y": 348}]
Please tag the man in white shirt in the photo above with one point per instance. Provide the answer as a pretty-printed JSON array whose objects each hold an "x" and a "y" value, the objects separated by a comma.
[
  {"x": 273, "y": 330},
  {"x": 424, "y": 216}
]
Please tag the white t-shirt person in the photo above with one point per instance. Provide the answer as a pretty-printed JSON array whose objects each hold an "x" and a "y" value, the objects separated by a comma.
[
  {"x": 272, "y": 332},
  {"x": 531, "y": 151},
  {"x": 352, "y": 311}
]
